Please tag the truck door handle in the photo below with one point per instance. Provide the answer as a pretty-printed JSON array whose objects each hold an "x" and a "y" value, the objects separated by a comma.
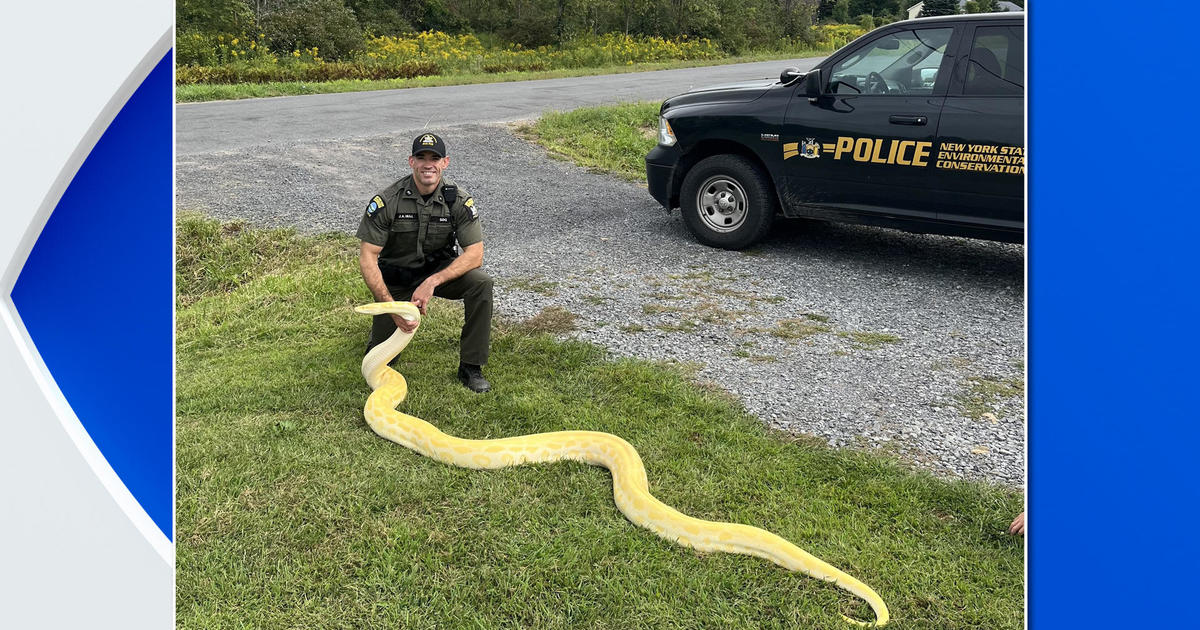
[{"x": 908, "y": 120}]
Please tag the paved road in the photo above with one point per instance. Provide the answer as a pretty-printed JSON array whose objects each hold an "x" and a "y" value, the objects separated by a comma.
[{"x": 227, "y": 125}]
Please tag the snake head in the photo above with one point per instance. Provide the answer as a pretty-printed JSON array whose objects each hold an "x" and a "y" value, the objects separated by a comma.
[{"x": 407, "y": 310}]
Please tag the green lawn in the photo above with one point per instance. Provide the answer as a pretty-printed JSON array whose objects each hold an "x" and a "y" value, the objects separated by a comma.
[
  {"x": 211, "y": 92},
  {"x": 293, "y": 514}
]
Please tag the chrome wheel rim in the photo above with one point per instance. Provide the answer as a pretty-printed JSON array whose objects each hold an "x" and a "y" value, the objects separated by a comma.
[{"x": 721, "y": 204}]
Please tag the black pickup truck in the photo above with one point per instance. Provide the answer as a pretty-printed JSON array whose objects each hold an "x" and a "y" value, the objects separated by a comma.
[{"x": 918, "y": 125}]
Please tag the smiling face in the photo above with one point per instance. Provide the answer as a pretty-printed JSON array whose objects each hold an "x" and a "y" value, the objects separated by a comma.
[{"x": 427, "y": 170}]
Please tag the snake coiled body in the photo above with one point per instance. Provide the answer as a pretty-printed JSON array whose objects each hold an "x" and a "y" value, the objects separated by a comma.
[{"x": 631, "y": 490}]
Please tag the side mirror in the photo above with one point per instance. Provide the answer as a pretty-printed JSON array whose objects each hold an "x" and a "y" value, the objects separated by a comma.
[
  {"x": 789, "y": 75},
  {"x": 812, "y": 83},
  {"x": 889, "y": 43}
]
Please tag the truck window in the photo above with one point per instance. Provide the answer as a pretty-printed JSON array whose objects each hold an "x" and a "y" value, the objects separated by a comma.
[
  {"x": 901, "y": 62},
  {"x": 997, "y": 64}
]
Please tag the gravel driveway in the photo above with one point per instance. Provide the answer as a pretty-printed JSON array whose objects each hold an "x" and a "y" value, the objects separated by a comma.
[{"x": 864, "y": 337}]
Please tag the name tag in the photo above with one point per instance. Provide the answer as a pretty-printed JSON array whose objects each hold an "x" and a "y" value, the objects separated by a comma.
[{"x": 408, "y": 216}]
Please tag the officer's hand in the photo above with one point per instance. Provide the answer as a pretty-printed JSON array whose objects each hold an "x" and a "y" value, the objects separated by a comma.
[
  {"x": 422, "y": 295},
  {"x": 404, "y": 324},
  {"x": 1018, "y": 525}
]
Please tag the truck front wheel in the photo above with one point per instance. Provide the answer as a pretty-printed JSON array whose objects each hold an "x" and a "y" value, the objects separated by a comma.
[{"x": 728, "y": 202}]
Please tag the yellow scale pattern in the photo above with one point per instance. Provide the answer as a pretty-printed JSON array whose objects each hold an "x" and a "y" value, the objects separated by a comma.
[{"x": 631, "y": 490}]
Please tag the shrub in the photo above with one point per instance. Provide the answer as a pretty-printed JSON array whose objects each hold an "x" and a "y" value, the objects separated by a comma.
[
  {"x": 226, "y": 59},
  {"x": 380, "y": 17},
  {"x": 194, "y": 49},
  {"x": 217, "y": 16},
  {"x": 434, "y": 15},
  {"x": 450, "y": 52},
  {"x": 465, "y": 53},
  {"x": 312, "y": 72},
  {"x": 531, "y": 30},
  {"x": 516, "y": 66},
  {"x": 618, "y": 49},
  {"x": 834, "y": 36},
  {"x": 212, "y": 49},
  {"x": 326, "y": 25}
]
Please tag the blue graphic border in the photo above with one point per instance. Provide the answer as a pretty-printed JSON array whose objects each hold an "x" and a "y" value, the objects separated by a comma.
[
  {"x": 1113, "y": 311},
  {"x": 95, "y": 294}
]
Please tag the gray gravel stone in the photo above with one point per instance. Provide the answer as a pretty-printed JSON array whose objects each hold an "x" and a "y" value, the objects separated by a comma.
[{"x": 936, "y": 318}]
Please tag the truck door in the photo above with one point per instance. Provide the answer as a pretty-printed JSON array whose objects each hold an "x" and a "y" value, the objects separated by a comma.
[
  {"x": 868, "y": 141},
  {"x": 980, "y": 159}
]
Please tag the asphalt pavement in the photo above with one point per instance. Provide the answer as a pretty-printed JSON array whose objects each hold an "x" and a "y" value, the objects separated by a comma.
[{"x": 225, "y": 125}]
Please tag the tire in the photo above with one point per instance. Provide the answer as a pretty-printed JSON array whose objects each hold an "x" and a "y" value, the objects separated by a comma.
[{"x": 728, "y": 202}]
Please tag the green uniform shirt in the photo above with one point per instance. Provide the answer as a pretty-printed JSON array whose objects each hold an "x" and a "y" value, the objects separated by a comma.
[{"x": 417, "y": 236}]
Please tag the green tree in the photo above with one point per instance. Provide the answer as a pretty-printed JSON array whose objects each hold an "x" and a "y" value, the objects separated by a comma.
[
  {"x": 327, "y": 25},
  {"x": 435, "y": 15},
  {"x": 629, "y": 10},
  {"x": 380, "y": 17},
  {"x": 214, "y": 16},
  {"x": 560, "y": 26},
  {"x": 841, "y": 11},
  {"x": 789, "y": 12},
  {"x": 825, "y": 10},
  {"x": 981, "y": 6},
  {"x": 939, "y": 7},
  {"x": 877, "y": 8}
]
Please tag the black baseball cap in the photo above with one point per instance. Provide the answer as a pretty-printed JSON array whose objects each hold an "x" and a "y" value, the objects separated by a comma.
[{"x": 429, "y": 142}]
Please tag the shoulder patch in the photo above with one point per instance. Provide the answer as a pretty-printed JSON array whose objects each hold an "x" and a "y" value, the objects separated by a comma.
[
  {"x": 470, "y": 204},
  {"x": 375, "y": 205}
]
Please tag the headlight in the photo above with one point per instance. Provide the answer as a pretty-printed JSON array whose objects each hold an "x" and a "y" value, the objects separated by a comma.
[{"x": 666, "y": 136}]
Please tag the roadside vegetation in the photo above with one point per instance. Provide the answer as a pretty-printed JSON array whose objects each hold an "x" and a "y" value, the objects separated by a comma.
[
  {"x": 212, "y": 67},
  {"x": 612, "y": 139},
  {"x": 238, "y": 49},
  {"x": 202, "y": 92},
  {"x": 229, "y": 49},
  {"x": 292, "y": 513}
]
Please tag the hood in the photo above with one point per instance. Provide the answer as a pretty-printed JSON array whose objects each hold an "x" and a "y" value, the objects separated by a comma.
[{"x": 730, "y": 93}]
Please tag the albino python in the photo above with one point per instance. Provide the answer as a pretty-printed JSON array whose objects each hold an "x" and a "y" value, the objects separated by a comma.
[{"x": 630, "y": 488}]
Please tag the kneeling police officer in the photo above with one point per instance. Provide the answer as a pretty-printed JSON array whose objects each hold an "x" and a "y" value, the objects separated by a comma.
[{"x": 407, "y": 253}]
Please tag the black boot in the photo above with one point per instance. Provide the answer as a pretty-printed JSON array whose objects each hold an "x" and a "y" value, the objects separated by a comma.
[{"x": 472, "y": 377}]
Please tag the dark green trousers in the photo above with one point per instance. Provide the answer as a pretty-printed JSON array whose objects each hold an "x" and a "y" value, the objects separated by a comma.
[{"x": 474, "y": 288}]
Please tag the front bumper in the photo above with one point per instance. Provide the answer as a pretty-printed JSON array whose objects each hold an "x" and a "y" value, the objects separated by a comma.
[{"x": 660, "y": 174}]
